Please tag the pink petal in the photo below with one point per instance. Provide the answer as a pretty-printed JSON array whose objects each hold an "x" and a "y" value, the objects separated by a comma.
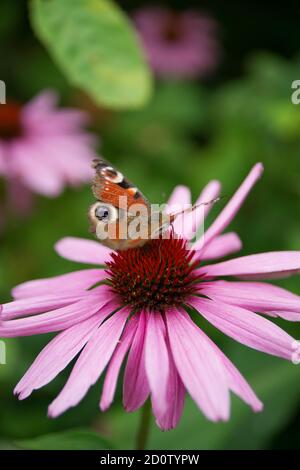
[
  {"x": 180, "y": 199},
  {"x": 3, "y": 165},
  {"x": 239, "y": 386},
  {"x": 58, "y": 354},
  {"x": 246, "y": 327},
  {"x": 175, "y": 398},
  {"x": 42, "y": 103},
  {"x": 209, "y": 192},
  {"x": 76, "y": 282},
  {"x": 221, "y": 246},
  {"x": 135, "y": 386},
  {"x": 60, "y": 122},
  {"x": 91, "y": 363},
  {"x": 111, "y": 378},
  {"x": 41, "y": 116},
  {"x": 290, "y": 316},
  {"x": 82, "y": 251},
  {"x": 232, "y": 207},
  {"x": 70, "y": 155},
  {"x": 237, "y": 383},
  {"x": 260, "y": 266},
  {"x": 59, "y": 319},
  {"x": 199, "y": 366},
  {"x": 157, "y": 362},
  {"x": 180, "y": 196},
  {"x": 195, "y": 220},
  {"x": 34, "y": 305},
  {"x": 39, "y": 176},
  {"x": 259, "y": 297}
]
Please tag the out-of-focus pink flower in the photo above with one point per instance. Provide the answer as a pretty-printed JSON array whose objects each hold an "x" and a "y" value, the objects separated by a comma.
[
  {"x": 43, "y": 149},
  {"x": 142, "y": 309},
  {"x": 178, "y": 44}
]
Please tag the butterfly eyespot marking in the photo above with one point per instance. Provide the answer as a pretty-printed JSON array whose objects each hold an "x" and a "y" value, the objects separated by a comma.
[
  {"x": 110, "y": 174},
  {"x": 102, "y": 213},
  {"x": 105, "y": 213}
]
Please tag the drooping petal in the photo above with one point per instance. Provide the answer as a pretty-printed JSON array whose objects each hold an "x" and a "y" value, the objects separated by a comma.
[
  {"x": 290, "y": 316},
  {"x": 232, "y": 207},
  {"x": 76, "y": 282},
  {"x": 221, "y": 246},
  {"x": 82, "y": 251},
  {"x": 274, "y": 264},
  {"x": 246, "y": 327},
  {"x": 111, "y": 378},
  {"x": 34, "y": 305},
  {"x": 239, "y": 385},
  {"x": 236, "y": 381},
  {"x": 199, "y": 366},
  {"x": 58, "y": 319},
  {"x": 175, "y": 398},
  {"x": 135, "y": 386},
  {"x": 156, "y": 362},
  {"x": 58, "y": 354},
  {"x": 91, "y": 363},
  {"x": 255, "y": 296}
]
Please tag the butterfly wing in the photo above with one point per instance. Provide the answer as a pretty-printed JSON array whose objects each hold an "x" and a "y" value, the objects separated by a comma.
[
  {"x": 111, "y": 189},
  {"x": 109, "y": 185}
]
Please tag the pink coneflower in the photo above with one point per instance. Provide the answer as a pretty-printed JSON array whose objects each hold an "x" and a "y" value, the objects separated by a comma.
[
  {"x": 42, "y": 149},
  {"x": 178, "y": 44},
  {"x": 139, "y": 305}
]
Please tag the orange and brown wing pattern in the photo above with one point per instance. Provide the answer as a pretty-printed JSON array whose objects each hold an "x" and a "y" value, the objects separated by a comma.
[{"x": 109, "y": 185}]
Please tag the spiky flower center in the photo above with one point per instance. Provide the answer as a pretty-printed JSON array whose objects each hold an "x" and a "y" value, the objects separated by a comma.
[
  {"x": 10, "y": 121},
  {"x": 156, "y": 276}
]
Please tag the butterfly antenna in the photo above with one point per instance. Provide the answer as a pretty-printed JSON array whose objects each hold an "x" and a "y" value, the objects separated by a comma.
[
  {"x": 172, "y": 231},
  {"x": 191, "y": 209}
]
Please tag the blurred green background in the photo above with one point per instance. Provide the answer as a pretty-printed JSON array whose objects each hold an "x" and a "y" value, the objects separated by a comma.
[{"x": 188, "y": 133}]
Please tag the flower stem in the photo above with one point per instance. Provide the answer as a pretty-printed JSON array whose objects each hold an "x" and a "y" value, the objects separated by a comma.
[{"x": 144, "y": 426}]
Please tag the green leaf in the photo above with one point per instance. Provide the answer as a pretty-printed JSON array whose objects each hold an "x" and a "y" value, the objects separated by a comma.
[
  {"x": 97, "y": 49},
  {"x": 78, "y": 439}
]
